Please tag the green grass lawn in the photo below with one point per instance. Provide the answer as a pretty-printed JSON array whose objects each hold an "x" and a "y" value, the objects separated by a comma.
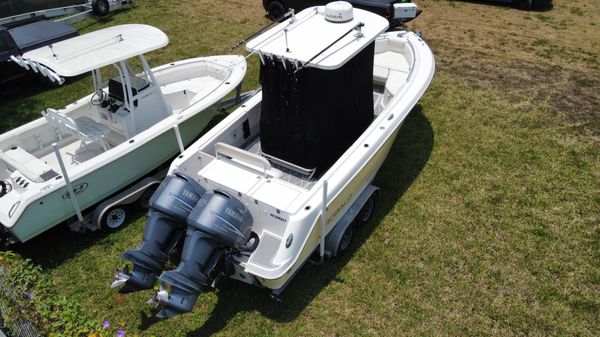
[{"x": 489, "y": 221}]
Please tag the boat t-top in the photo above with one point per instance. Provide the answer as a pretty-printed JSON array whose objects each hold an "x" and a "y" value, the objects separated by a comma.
[
  {"x": 60, "y": 165},
  {"x": 288, "y": 174}
]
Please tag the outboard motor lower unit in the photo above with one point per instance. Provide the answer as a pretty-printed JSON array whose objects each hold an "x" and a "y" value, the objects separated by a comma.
[
  {"x": 170, "y": 206},
  {"x": 218, "y": 224}
]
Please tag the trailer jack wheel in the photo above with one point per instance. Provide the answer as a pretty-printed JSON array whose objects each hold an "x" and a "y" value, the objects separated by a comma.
[
  {"x": 114, "y": 218},
  {"x": 100, "y": 7}
]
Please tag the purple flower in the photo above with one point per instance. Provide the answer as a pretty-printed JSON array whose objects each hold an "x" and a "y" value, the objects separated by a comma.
[
  {"x": 120, "y": 333},
  {"x": 106, "y": 324}
]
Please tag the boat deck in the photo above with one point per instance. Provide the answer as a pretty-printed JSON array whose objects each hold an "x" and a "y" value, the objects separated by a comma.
[
  {"x": 73, "y": 154},
  {"x": 179, "y": 95},
  {"x": 284, "y": 173}
]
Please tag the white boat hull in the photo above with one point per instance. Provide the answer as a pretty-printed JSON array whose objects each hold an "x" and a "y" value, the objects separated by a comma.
[
  {"x": 42, "y": 205},
  {"x": 346, "y": 179},
  {"x": 56, "y": 207}
]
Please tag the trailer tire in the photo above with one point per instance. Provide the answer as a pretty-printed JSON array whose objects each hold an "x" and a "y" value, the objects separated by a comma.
[
  {"x": 345, "y": 241},
  {"x": 366, "y": 212},
  {"x": 144, "y": 200},
  {"x": 114, "y": 218},
  {"x": 100, "y": 7},
  {"x": 275, "y": 10},
  {"x": 524, "y": 4}
]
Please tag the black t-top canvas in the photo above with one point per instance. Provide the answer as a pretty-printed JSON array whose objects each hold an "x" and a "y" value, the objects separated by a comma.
[{"x": 309, "y": 118}]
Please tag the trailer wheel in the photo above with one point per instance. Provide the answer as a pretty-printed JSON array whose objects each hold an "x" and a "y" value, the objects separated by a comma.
[
  {"x": 524, "y": 4},
  {"x": 365, "y": 213},
  {"x": 345, "y": 240},
  {"x": 114, "y": 218},
  {"x": 100, "y": 7},
  {"x": 275, "y": 10}
]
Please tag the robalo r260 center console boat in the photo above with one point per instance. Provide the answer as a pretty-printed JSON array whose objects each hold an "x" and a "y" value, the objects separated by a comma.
[{"x": 284, "y": 175}]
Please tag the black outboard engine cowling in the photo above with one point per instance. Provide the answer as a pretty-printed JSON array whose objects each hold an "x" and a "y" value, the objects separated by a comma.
[
  {"x": 170, "y": 206},
  {"x": 219, "y": 223}
]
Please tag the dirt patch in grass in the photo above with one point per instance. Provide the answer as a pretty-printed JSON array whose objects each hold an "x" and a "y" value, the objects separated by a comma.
[
  {"x": 546, "y": 61},
  {"x": 570, "y": 98}
]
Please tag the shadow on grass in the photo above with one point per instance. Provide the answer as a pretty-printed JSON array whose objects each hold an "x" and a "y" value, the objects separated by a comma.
[
  {"x": 406, "y": 159},
  {"x": 53, "y": 247},
  {"x": 18, "y": 99},
  {"x": 19, "y": 91},
  {"x": 544, "y": 7}
]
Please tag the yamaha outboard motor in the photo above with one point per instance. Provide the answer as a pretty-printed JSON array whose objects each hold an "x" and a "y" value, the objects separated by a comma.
[
  {"x": 219, "y": 224},
  {"x": 170, "y": 206}
]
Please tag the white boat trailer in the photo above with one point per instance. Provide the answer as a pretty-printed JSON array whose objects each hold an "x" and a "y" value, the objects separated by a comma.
[{"x": 74, "y": 13}]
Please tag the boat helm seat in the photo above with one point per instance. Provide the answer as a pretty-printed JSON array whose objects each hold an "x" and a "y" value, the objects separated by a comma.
[{"x": 83, "y": 128}]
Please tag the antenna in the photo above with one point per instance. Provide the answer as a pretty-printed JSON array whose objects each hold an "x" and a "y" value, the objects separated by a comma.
[{"x": 287, "y": 49}]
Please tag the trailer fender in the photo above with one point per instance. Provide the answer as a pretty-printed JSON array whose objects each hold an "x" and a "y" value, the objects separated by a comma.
[
  {"x": 126, "y": 197},
  {"x": 332, "y": 240}
]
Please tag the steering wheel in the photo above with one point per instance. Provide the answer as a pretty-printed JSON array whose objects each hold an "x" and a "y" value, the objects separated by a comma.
[{"x": 98, "y": 97}]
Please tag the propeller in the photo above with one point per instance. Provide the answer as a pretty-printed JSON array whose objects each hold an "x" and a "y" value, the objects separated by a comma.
[
  {"x": 161, "y": 296},
  {"x": 121, "y": 276}
]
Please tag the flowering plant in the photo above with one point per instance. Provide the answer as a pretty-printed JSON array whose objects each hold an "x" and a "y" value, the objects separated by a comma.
[{"x": 106, "y": 331}]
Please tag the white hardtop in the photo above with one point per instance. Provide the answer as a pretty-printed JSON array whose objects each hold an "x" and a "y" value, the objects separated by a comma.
[
  {"x": 309, "y": 33},
  {"x": 97, "y": 49}
]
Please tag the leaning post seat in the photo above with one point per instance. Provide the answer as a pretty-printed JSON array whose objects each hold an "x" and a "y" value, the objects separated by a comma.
[{"x": 83, "y": 128}]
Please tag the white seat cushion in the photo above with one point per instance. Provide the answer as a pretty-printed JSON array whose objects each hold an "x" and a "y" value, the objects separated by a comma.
[
  {"x": 380, "y": 74},
  {"x": 395, "y": 81},
  {"x": 26, "y": 163},
  {"x": 391, "y": 60}
]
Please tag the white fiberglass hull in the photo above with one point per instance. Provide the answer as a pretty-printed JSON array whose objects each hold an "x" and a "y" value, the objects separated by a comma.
[
  {"x": 286, "y": 215},
  {"x": 29, "y": 210}
]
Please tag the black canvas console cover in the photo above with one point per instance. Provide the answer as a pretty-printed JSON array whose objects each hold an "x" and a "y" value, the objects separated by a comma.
[{"x": 309, "y": 118}]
